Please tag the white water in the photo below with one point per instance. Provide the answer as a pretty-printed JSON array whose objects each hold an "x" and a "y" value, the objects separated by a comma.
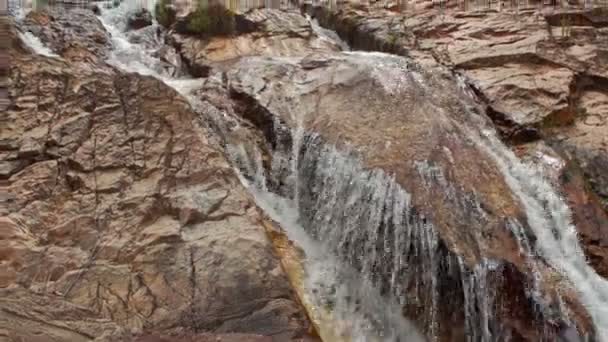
[
  {"x": 359, "y": 310},
  {"x": 31, "y": 41},
  {"x": 36, "y": 45},
  {"x": 551, "y": 221},
  {"x": 327, "y": 35},
  {"x": 365, "y": 193}
]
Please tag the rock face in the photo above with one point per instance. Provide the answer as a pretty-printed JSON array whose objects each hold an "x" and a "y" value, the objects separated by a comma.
[
  {"x": 75, "y": 34},
  {"x": 274, "y": 33},
  {"x": 120, "y": 215},
  {"x": 364, "y": 119},
  {"x": 538, "y": 80},
  {"x": 124, "y": 220}
]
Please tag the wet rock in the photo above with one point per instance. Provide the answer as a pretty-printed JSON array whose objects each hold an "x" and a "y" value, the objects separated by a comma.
[
  {"x": 278, "y": 33},
  {"x": 75, "y": 34},
  {"x": 538, "y": 80},
  {"x": 126, "y": 216},
  {"x": 168, "y": 55},
  {"x": 139, "y": 19},
  {"x": 382, "y": 120},
  {"x": 96, "y": 10},
  {"x": 523, "y": 66}
]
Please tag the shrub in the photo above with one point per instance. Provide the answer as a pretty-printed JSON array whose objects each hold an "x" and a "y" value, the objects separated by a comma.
[
  {"x": 212, "y": 20},
  {"x": 164, "y": 13}
]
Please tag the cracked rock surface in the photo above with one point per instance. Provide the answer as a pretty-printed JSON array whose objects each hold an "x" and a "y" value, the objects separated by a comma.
[
  {"x": 120, "y": 217},
  {"x": 539, "y": 80},
  {"x": 542, "y": 85}
]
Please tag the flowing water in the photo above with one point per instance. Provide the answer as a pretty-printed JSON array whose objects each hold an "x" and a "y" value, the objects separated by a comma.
[
  {"x": 551, "y": 221},
  {"x": 366, "y": 246},
  {"x": 358, "y": 310}
]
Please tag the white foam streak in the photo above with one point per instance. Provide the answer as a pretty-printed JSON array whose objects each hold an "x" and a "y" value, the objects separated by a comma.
[
  {"x": 358, "y": 309},
  {"x": 347, "y": 198},
  {"x": 550, "y": 219},
  {"x": 36, "y": 45}
]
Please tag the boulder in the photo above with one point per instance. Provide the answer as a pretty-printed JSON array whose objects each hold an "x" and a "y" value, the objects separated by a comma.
[{"x": 139, "y": 19}]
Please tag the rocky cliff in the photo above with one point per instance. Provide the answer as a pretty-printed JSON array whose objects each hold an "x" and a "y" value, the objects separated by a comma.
[
  {"x": 544, "y": 84},
  {"x": 120, "y": 215},
  {"x": 458, "y": 177}
]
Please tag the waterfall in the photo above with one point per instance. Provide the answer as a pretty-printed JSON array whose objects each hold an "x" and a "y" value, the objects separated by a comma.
[
  {"x": 361, "y": 312},
  {"x": 368, "y": 250},
  {"x": 366, "y": 218},
  {"x": 549, "y": 218}
]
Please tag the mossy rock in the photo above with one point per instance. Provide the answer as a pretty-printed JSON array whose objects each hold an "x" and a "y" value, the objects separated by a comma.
[
  {"x": 164, "y": 13},
  {"x": 212, "y": 20}
]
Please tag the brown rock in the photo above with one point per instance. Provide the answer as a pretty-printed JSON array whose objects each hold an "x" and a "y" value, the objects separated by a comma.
[
  {"x": 356, "y": 104},
  {"x": 139, "y": 19},
  {"x": 539, "y": 80},
  {"x": 277, "y": 33},
  {"x": 124, "y": 217},
  {"x": 85, "y": 41}
]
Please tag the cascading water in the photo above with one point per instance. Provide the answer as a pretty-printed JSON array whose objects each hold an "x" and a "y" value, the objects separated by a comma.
[
  {"x": 556, "y": 237},
  {"x": 550, "y": 219},
  {"x": 36, "y": 45},
  {"x": 361, "y": 313},
  {"x": 28, "y": 38},
  {"x": 365, "y": 218},
  {"x": 342, "y": 212}
]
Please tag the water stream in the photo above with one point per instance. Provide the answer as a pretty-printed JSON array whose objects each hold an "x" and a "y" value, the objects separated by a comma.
[
  {"x": 358, "y": 310},
  {"x": 340, "y": 211}
]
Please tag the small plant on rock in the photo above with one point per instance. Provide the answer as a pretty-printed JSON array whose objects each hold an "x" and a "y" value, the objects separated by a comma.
[
  {"x": 211, "y": 20},
  {"x": 164, "y": 13}
]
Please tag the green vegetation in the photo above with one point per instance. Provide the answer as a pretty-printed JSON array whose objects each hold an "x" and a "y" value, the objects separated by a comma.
[
  {"x": 40, "y": 4},
  {"x": 211, "y": 20},
  {"x": 164, "y": 13}
]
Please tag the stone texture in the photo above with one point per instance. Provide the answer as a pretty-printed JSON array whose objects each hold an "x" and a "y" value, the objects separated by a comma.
[
  {"x": 75, "y": 34},
  {"x": 122, "y": 217},
  {"x": 274, "y": 33},
  {"x": 139, "y": 19},
  {"x": 355, "y": 101},
  {"x": 539, "y": 81},
  {"x": 148, "y": 212}
]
